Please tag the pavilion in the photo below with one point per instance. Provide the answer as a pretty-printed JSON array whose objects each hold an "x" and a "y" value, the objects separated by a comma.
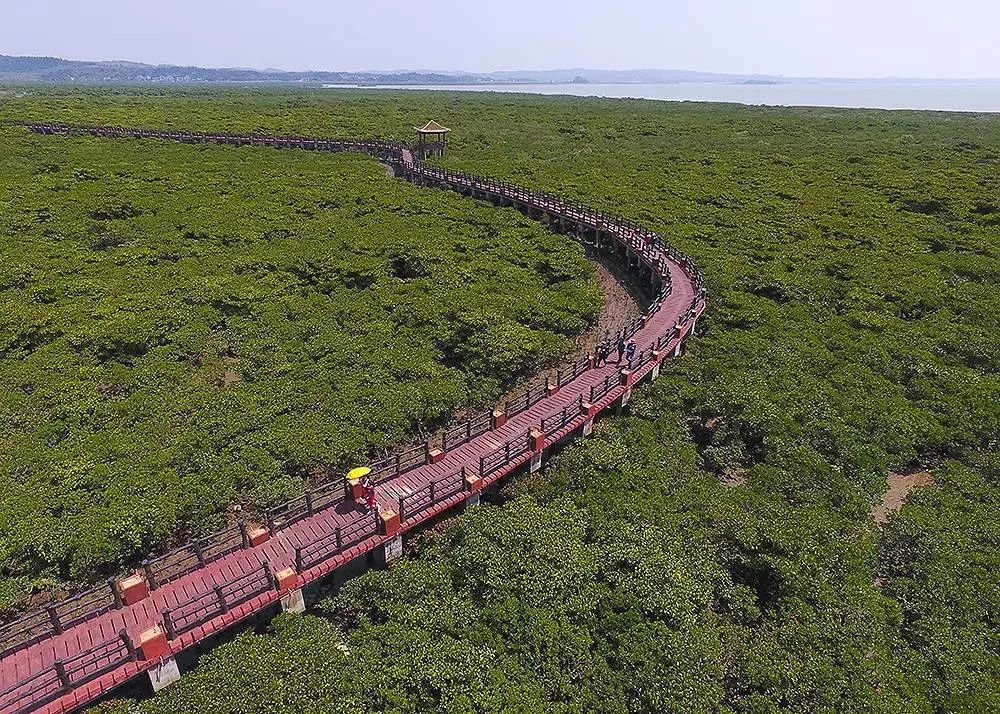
[{"x": 432, "y": 139}]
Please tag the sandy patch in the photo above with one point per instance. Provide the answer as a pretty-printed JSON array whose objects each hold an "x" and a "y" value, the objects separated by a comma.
[
  {"x": 230, "y": 376},
  {"x": 900, "y": 486}
]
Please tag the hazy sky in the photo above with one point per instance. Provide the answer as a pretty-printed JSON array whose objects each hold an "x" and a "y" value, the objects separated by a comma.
[{"x": 856, "y": 38}]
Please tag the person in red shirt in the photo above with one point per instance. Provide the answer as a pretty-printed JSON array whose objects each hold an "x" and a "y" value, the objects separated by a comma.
[{"x": 370, "y": 500}]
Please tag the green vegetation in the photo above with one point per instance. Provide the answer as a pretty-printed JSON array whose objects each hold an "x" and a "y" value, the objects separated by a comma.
[
  {"x": 185, "y": 328},
  {"x": 853, "y": 264}
]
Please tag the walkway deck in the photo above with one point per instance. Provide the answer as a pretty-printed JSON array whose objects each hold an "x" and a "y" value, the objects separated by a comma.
[{"x": 61, "y": 672}]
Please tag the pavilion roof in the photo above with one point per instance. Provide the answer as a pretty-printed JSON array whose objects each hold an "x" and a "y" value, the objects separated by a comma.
[{"x": 432, "y": 127}]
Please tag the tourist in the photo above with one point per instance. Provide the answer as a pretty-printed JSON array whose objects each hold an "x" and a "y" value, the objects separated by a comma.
[
  {"x": 369, "y": 491},
  {"x": 603, "y": 351},
  {"x": 630, "y": 350},
  {"x": 621, "y": 347}
]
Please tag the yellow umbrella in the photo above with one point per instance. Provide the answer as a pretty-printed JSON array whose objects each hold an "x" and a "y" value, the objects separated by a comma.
[{"x": 358, "y": 473}]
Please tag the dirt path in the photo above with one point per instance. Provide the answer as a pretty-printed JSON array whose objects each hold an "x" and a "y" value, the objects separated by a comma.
[
  {"x": 899, "y": 488},
  {"x": 622, "y": 303}
]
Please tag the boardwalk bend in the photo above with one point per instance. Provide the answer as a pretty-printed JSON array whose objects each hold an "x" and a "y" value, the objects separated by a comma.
[{"x": 78, "y": 649}]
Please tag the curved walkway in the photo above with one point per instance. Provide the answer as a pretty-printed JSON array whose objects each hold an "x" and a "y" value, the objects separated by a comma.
[{"x": 72, "y": 653}]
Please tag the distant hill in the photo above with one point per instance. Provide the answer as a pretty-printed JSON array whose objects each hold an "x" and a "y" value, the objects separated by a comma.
[{"x": 53, "y": 69}]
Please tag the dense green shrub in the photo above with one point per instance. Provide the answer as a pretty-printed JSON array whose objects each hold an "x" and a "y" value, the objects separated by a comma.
[{"x": 853, "y": 264}]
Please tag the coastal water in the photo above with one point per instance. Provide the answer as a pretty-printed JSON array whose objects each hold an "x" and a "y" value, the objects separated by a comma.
[{"x": 945, "y": 96}]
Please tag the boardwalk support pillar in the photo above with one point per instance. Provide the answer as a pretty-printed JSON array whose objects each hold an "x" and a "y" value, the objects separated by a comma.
[
  {"x": 153, "y": 647},
  {"x": 624, "y": 400},
  {"x": 163, "y": 674},
  {"x": 657, "y": 359},
  {"x": 473, "y": 486},
  {"x": 536, "y": 439},
  {"x": 392, "y": 548},
  {"x": 287, "y": 583},
  {"x": 588, "y": 427}
]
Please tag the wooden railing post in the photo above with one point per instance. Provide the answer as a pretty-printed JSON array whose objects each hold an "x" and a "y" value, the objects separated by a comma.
[
  {"x": 168, "y": 625},
  {"x": 402, "y": 508},
  {"x": 116, "y": 593},
  {"x": 147, "y": 571},
  {"x": 340, "y": 540},
  {"x": 298, "y": 560},
  {"x": 432, "y": 491},
  {"x": 129, "y": 647},
  {"x": 221, "y": 598},
  {"x": 60, "y": 669},
  {"x": 54, "y": 619}
]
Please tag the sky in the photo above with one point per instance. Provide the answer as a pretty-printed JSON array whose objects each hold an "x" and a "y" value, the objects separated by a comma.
[{"x": 831, "y": 38}]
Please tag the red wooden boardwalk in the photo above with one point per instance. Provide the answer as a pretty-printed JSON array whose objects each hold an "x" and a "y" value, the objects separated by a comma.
[{"x": 61, "y": 672}]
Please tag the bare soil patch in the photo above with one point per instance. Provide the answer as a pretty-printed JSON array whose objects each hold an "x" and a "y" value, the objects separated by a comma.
[
  {"x": 899, "y": 488},
  {"x": 230, "y": 376},
  {"x": 622, "y": 304}
]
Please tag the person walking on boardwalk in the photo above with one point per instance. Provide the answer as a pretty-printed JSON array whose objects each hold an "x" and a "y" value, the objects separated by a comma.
[
  {"x": 603, "y": 351},
  {"x": 630, "y": 350},
  {"x": 621, "y": 347}
]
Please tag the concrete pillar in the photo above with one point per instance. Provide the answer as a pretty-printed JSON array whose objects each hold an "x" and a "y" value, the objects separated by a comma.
[
  {"x": 293, "y": 601},
  {"x": 588, "y": 427},
  {"x": 536, "y": 463},
  {"x": 472, "y": 499},
  {"x": 624, "y": 400},
  {"x": 677, "y": 349},
  {"x": 163, "y": 674},
  {"x": 655, "y": 372},
  {"x": 390, "y": 550}
]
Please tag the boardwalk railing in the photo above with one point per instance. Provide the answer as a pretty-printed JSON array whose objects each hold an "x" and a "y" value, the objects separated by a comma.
[
  {"x": 467, "y": 430},
  {"x": 325, "y": 547},
  {"x": 565, "y": 375},
  {"x": 217, "y": 601},
  {"x": 524, "y": 402},
  {"x": 601, "y": 389},
  {"x": 493, "y": 462},
  {"x": 556, "y": 421},
  {"x": 57, "y": 617},
  {"x": 67, "y": 674},
  {"x": 440, "y": 489},
  {"x": 312, "y": 501},
  {"x": 400, "y": 462}
]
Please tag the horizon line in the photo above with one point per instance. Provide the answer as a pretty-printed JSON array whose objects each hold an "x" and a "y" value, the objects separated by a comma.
[{"x": 485, "y": 73}]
